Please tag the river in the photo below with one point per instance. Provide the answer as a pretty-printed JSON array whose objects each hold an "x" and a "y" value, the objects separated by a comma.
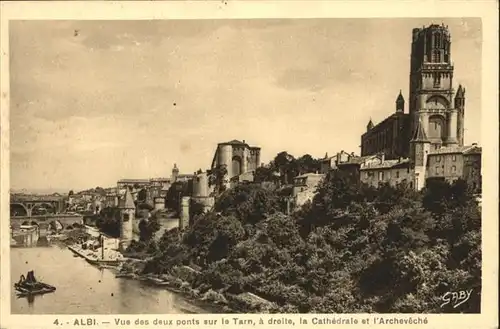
[{"x": 86, "y": 289}]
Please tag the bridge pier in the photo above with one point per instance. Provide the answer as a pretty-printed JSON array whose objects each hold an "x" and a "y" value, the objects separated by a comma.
[{"x": 29, "y": 209}]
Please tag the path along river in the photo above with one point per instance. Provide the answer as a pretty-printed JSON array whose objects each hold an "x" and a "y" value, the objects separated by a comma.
[{"x": 86, "y": 289}]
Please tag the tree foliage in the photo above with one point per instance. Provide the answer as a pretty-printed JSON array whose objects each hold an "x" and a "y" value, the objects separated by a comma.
[
  {"x": 352, "y": 249},
  {"x": 217, "y": 177},
  {"x": 108, "y": 221}
]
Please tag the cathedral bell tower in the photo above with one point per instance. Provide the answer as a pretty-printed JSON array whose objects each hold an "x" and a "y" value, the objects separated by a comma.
[{"x": 431, "y": 87}]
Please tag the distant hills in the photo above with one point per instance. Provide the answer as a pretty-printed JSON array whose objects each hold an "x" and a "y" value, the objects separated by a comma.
[
  {"x": 46, "y": 191},
  {"x": 41, "y": 191}
]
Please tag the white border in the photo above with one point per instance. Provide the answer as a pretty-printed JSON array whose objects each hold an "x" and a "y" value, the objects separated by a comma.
[{"x": 93, "y": 10}]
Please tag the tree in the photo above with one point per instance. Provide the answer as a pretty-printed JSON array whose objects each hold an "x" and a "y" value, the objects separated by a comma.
[
  {"x": 142, "y": 195},
  {"x": 108, "y": 221},
  {"x": 217, "y": 177},
  {"x": 306, "y": 164},
  {"x": 148, "y": 228},
  {"x": 250, "y": 203},
  {"x": 196, "y": 209},
  {"x": 265, "y": 174},
  {"x": 212, "y": 236},
  {"x": 285, "y": 164}
]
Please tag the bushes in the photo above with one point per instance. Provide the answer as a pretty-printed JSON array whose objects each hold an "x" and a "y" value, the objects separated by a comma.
[{"x": 353, "y": 249}]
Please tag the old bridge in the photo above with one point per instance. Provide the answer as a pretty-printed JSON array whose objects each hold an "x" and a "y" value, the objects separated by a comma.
[
  {"x": 31, "y": 205},
  {"x": 45, "y": 221}
]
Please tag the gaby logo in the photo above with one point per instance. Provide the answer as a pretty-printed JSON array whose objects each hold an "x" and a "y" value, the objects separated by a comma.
[{"x": 456, "y": 298}]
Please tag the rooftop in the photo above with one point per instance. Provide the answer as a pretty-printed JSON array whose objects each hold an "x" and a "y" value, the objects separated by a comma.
[
  {"x": 237, "y": 142},
  {"x": 386, "y": 164},
  {"x": 467, "y": 149},
  {"x": 357, "y": 160},
  {"x": 132, "y": 180}
]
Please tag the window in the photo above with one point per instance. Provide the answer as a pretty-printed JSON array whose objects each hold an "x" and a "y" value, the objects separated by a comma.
[
  {"x": 126, "y": 217},
  {"x": 453, "y": 169},
  {"x": 381, "y": 175},
  {"x": 454, "y": 158},
  {"x": 438, "y": 158},
  {"x": 436, "y": 56},
  {"x": 437, "y": 41},
  {"x": 437, "y": 170},
  {"x": 437, "y": 80},
  {"x": 397, "y": 174}
]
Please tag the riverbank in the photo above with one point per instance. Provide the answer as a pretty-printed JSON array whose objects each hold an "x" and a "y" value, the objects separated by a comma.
[{"x": 180, "y": 280}]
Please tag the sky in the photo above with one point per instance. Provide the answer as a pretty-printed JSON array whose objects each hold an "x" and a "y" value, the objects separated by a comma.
[{"x": 93, "y": 102}]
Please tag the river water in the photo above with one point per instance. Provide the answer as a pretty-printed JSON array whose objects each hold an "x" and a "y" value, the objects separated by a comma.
[{"x": 86, "y": 289}]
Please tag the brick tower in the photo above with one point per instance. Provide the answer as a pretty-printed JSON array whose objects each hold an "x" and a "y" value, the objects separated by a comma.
[{"x": 431, "y": 88}]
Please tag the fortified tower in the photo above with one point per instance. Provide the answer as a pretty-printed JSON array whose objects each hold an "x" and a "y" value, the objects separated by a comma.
[
  {"x": 127, "y": 219},
  {"x": 431, "y": 88},
  {"x": 419, "y": 149}
]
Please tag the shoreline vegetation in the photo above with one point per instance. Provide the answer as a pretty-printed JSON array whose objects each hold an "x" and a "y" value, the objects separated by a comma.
[{"x": 353, "y": 249}]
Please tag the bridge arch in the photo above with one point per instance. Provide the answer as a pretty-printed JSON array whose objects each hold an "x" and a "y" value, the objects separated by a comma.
[{"x": 18, "y": 209}]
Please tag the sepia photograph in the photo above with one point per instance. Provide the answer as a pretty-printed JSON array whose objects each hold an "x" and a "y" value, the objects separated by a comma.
[{"x": 279, "y": 166}]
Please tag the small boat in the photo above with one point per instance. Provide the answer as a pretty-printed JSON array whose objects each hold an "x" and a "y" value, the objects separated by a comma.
[{"x": 29, "y": 286}]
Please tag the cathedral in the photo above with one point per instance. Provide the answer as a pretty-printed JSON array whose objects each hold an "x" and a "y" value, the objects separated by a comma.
[{"x": 434, "y": 123}]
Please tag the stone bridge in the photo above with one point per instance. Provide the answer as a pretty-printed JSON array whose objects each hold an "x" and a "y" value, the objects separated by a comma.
[
  {"x": 44, "y": 221},
  {"x": 23, "y": 205}
]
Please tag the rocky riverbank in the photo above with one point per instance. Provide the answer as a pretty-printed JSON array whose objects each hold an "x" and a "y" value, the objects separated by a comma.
[{"x": 180, "y": 280}]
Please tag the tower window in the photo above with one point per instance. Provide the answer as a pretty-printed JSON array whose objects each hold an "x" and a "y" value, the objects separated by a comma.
[
  {"x": 454, "y": 158},
  {"x": 437, "y": 41},
  {"x": 437, "y": 81},
  {"x": 397, "y": 174},
  {"x": 436, "y": 56},
  {"x": 437, "y": 170},
  {"x": 453, "y": 169}
]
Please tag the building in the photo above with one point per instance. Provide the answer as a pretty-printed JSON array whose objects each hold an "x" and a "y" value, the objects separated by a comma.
[
  {"x": 176, "y": 177},
  {"x": 238, "y": 158},
  {"x": 436, "y": 115},
  {"x": 304, "y": 187},
  {"x": 331, "y": 163},
  {"x": 378, "y": 170},
  {"x": 456, "y": 162},
  {"x": 128, "y": 225},
  {"x": 352, "y": 165},
  {"x": 155, "y": 187},
  {"x": 391, "y": 136}
]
